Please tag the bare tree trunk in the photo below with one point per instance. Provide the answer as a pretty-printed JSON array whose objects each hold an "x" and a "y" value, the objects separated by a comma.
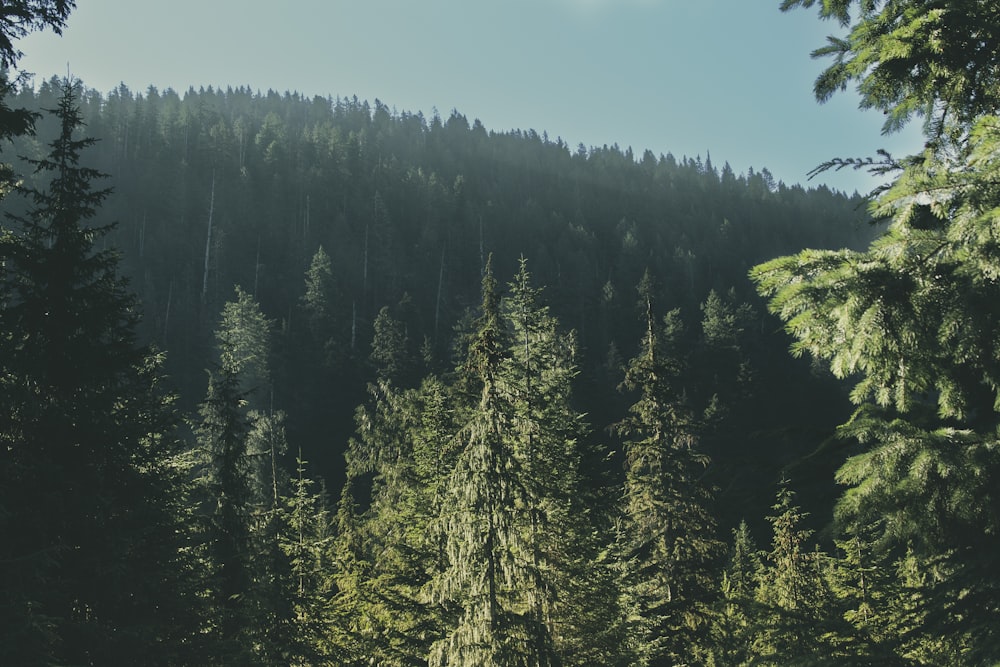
[
  {"x": 208, "y": 242},
  {"x": 437, "y": 302},
  {"x": 166, "y": 316},
  {"x": 256, "y": 268}
]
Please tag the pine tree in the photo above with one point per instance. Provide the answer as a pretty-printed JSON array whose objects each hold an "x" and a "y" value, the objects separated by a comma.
[
  {"x": 914, "y": 317},
  {"x": 400, "y": 454},
  {"x": 243, "y": 338},
  {"x": 222, "y": 433},
  {"x": 89, "y": 484},
  {"x": 669, "y": 538},
  {"x": 325, "y": 312},
  {"x": 305, "y": 538},
  {"x": 18, "y": 18},
  {"x": 792, "y": 589},
  {"x": 573, "y": 596},
  {"x": 243, "y": 484},
  {"x": 733, "y": 628},
  {"x": 389, "y": 347},
  {"x": 489, "y": 564}
]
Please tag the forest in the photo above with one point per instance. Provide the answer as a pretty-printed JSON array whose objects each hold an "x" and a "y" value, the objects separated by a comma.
[{"x": 293, "y": 381}]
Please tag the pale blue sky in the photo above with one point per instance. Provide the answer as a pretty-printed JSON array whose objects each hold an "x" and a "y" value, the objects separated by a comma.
[{"x": 729, "y": 77}]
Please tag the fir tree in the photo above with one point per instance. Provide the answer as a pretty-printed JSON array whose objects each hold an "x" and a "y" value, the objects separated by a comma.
[
  {"x": 489, "y": 564},
  {"x": 669, "y": 538},
  {"x": 573, "y": 596},
  {"x": 913, "y": 318},
  {"x": 734, "y": 626},
  {"x": 89, "y": 486},
  {"x": 792, "y": 589}
]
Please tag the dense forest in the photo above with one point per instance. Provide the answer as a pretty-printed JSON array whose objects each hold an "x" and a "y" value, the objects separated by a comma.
[{"x": 292, "y": 381}]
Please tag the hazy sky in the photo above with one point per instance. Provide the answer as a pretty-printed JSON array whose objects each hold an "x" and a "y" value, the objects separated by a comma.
[{"x": 732, "y": 78}]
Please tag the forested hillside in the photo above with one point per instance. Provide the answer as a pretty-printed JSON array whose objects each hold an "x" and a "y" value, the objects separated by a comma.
[
  {"x": 218, "y": 189},
  {"x": 293, "y": 381}
]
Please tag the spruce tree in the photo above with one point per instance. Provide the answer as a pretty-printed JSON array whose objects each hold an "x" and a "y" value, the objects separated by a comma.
[
  {"x": 401, "y": 457},
  {"x": 734, "y": 625},
  {"x": 573, "y": 597},
  {"x": 792, "y": 589},
  {"x": 306, "y": 539},
  {"x": 222, "y": 433},
  {"x": 489, "y": 566},
  {"x": 669, "y": 542},
  {"x": 913, "y": 319},
  {"x": 89, "y": 482}
]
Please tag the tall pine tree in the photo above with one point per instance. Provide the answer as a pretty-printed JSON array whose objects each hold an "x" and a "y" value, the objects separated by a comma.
[
  {"x": 89, "y": 502},
  {"x": 668, "y": 537}
]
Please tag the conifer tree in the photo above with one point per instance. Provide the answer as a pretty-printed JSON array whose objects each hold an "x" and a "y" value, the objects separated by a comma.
[
  {"x": 914, "y": 317},
  {"x": 669, "y": 541},
  {"x": 350, "y": 627},
  {"x": 573, "y": 595},
  {"x": 222, "y": 434},
  {"x": 792, "y": 589},
  {"x": 306, "y": 538},
  {"x": 18, "y": 18},
  {"x": 400, "y": 455},
  {"x": 734, "y": 626},
  {"x": 244, "y": 485},
  {"x": 243, "y": 338},
  {"x": 489, "y": 566},
  {"x": 326, "y": 315},
  {"x": 89, "y": 485}
]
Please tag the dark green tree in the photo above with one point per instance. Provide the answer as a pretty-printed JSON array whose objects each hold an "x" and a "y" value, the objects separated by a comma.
[
  {"x": 489, "y": 566},
  {"x": 669, "y": 542},
  {"x": 90, "y": 489},
  {"x": 222, "y": 434},
  {"x": 18, "y": 18},
  {"x": 306, "y": 539},
  {"x": 792, "y": 589},
  {"x": 389, "y": 347},
  {"x": 243, "y": 338},
  {"x": 735, "y": 623},
  {"x": 573, "y": 595}
]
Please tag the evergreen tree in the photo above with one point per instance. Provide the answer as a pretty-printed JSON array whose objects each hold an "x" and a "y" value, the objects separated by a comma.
[
  {"x": 222, "y": 434},
  {"x": 243, "y": 338},
  {"x": 322, "y": 303},
  {"x": 18, "y": 18},
  {"x": 399, "y": 456},
  {"x": 734, "y": 626},
  {"x": 573, "y": 595},
  {"x": 669, "y": 538},
  {"x": 489, "y": 566},
  {"x": 389, "y": 347},
  {"x": 306, "y": 537},
  {"x": 90, "y": 487},
  {"x": 914, "y": 316},
  {"x": 243, "y": 481},
  {"x": 792, "y": 589}
]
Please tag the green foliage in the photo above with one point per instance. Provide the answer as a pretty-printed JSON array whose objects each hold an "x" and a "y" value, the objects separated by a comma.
[
  {"x": 244, "y": 343},
  {"x": 669, "y": 542},
  {"x": 489, "y": 571},
  {"x": 91, "y": 492},
  {"x": 734, "y": 624},
  {"x": 18, "y": 18},
  {"x": 913, "y": 59},
  {"x": 792, "y": 589},
  {"x": 389, "y": 346},
  {"x": 913, "y": 320}
]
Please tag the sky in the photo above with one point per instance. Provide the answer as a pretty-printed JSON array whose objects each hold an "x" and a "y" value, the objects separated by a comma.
[{"x": 730, "y": 79}]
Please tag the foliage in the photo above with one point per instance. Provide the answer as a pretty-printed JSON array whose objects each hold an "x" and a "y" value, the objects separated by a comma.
[
  {"x": 92, "y": 492},
  {"x": 913, "y": 319}
]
